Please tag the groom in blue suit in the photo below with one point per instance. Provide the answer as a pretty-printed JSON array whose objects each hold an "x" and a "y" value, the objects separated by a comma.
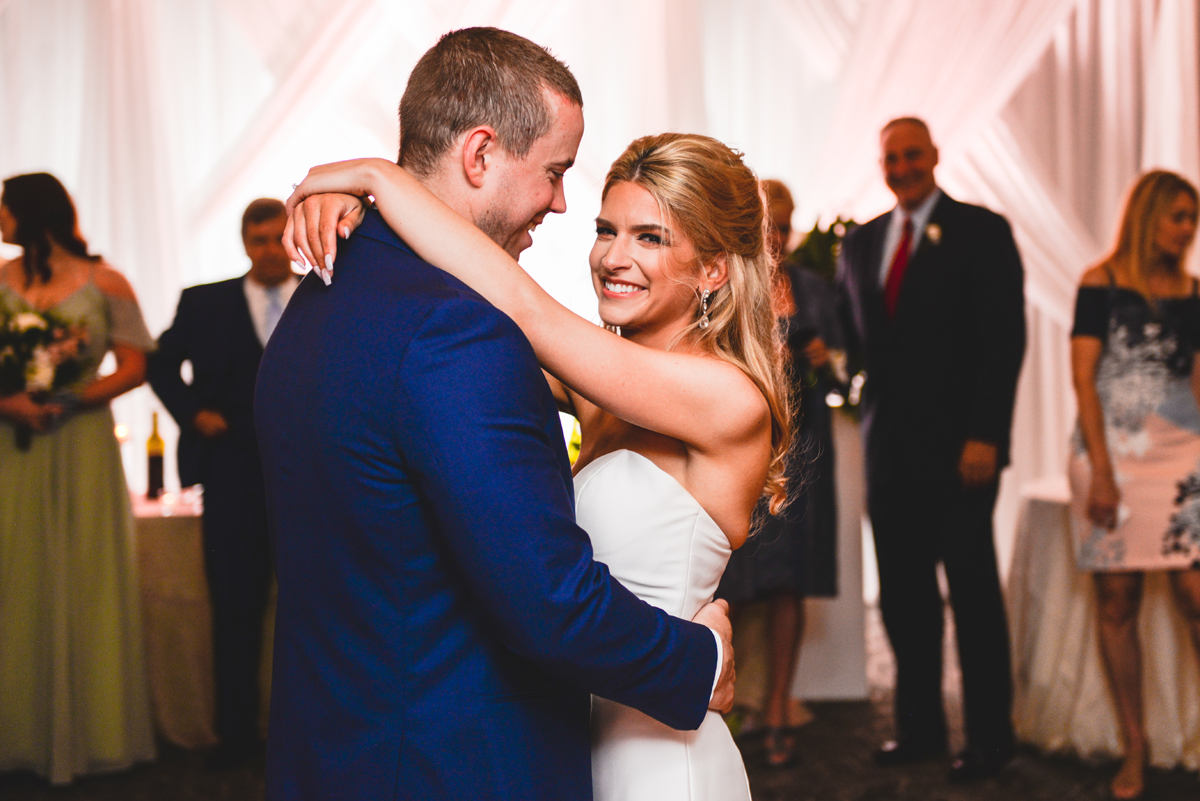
[{"x": 441, "y": 620}]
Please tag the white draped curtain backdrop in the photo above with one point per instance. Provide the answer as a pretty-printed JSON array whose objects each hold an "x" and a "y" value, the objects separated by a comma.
[{"x": 165, "y": 119}]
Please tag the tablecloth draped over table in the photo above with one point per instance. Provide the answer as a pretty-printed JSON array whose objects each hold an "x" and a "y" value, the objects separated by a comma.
[
  {"x": 1062, "y": 701},
  {"x": 177, "y": 623}
]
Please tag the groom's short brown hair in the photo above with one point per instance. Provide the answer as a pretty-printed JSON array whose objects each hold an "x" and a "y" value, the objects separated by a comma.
[{"x": 479, "y": 76}]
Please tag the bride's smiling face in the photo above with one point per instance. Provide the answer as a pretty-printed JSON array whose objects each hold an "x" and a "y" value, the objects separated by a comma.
[{"x": 640, "y": 268}]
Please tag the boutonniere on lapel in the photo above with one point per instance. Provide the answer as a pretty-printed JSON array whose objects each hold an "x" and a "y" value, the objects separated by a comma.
[{"x": 933, "y": 232}]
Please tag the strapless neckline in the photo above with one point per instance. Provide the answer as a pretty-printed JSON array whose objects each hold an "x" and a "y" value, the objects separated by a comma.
[{"x": 608, "y": 457}]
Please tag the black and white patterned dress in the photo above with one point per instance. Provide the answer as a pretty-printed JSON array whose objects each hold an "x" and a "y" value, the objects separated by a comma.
[{"x": 1152, "y": 427}]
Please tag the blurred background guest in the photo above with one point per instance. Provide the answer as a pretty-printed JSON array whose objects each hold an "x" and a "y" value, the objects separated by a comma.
[
  {"x": 934, "y": 292},
  {"x": 794, "y": 553},
  {"x": 1135, "y": 480},
  {"x": 221, "y": 329},
  {"x": 74, "y": 698}
]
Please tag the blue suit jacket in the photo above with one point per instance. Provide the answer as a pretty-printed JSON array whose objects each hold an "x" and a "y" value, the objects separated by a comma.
[{"x": 440, "y": 618}]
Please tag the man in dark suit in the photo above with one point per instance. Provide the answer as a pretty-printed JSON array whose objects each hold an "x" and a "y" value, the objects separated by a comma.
[
  {"x": 441, "y": 619},
  {"x": 221, "y": 329},
  {"x": 933, "y": 293}
]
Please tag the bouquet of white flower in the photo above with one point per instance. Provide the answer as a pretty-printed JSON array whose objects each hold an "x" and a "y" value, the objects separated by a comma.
[{"x": 38, "y": 354}]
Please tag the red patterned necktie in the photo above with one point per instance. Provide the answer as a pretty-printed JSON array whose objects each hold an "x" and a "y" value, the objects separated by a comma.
[{"x": 895, "y": 276}]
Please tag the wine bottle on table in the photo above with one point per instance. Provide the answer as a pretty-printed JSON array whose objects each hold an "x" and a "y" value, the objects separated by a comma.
[{"x": 154, "y": 457}]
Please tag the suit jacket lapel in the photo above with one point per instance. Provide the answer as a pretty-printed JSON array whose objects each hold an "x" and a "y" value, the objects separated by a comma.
[{"x": 936, "y": 221}]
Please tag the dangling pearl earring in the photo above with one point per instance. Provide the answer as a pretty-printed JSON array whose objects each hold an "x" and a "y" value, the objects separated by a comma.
[{"x": 704, "y": 309}]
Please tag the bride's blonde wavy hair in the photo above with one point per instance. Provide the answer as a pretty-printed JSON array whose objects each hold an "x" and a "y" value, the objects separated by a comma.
[{"x": 706, "y": 192}]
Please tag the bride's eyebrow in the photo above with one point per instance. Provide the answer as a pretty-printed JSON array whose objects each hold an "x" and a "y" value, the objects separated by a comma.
[
  {"x": 640, "y": 228},
  {"x": 650, "y": 228}
]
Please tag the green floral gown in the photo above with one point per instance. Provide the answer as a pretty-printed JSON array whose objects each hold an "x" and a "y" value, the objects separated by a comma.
[{"x": 73, "y": 692}]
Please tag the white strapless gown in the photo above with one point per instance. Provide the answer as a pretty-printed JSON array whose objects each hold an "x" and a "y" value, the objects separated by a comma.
[{"x": 661, "y": 544}]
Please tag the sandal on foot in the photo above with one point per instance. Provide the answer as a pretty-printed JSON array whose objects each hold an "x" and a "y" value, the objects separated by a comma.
[
  {"x": 780, "y": 746},
  {"x": 1125, "y": 790}
]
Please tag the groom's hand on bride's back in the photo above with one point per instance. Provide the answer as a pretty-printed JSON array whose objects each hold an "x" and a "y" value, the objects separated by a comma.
[{"x": 715, "y": 615}]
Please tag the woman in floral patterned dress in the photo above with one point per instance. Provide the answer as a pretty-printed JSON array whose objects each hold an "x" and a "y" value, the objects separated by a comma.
[{"x": 1135, "y": 470}]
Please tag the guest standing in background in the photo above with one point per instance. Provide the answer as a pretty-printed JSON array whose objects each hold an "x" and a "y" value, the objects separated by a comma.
[
  {"x": 1135, "y": 481},
  {"x": 221, "y": 329},
  {"x": 933, "y": 293},
  {"x": 73, "y": 692},
  {"x": 794, "y": 554}
]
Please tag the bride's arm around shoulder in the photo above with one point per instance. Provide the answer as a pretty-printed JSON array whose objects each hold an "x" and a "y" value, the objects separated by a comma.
[{"x": 707, "y": 403}]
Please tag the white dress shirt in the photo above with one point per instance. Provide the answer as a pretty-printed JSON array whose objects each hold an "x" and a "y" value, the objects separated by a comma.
[
  {"x": 256, "y": 299},
  {"x": 895, "y": 232}
]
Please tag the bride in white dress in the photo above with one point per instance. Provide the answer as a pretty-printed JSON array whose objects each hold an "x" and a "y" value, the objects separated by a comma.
[{"x": 681, "y": 412}]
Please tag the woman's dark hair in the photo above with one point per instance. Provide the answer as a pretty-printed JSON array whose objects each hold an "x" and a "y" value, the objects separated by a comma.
[{"x": 44, "y": 213}]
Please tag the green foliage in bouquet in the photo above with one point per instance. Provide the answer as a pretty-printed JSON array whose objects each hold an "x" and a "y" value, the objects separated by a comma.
[
  {"x": 38, "y": 353},
  {"x": 820, "y": 250},
  {"x": 819, "y": 253}
]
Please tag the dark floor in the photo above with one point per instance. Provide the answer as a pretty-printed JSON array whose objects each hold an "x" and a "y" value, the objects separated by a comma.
[{"x": 835, "y": 765}]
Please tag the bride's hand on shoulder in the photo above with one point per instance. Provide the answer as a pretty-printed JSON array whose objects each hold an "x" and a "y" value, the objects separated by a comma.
[
  {"x": 328, "y": 203},
  {"x": 310, "y": 237}
]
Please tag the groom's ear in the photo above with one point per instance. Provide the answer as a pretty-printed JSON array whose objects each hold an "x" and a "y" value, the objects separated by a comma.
[{"x": 478, "y": 152}]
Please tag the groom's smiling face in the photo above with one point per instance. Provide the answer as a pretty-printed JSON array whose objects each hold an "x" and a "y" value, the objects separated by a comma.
[{"x": 529, "y": 188}]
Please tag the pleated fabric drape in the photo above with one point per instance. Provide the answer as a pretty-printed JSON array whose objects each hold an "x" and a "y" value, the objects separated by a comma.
[{"x": 166, "y": 119}]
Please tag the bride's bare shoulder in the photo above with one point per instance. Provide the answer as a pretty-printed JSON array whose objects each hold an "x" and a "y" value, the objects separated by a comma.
[{"x": 743, "y": 406}]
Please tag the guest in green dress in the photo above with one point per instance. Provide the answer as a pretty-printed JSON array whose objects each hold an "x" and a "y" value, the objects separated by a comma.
[{"x": 74, "y": 698}]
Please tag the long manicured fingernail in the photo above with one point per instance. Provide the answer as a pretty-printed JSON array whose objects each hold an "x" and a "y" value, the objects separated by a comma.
[
  {"x": 344, "y": 231},
  {"x": 329, "y": 262},
  {"x": 326, "y": 276}
]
